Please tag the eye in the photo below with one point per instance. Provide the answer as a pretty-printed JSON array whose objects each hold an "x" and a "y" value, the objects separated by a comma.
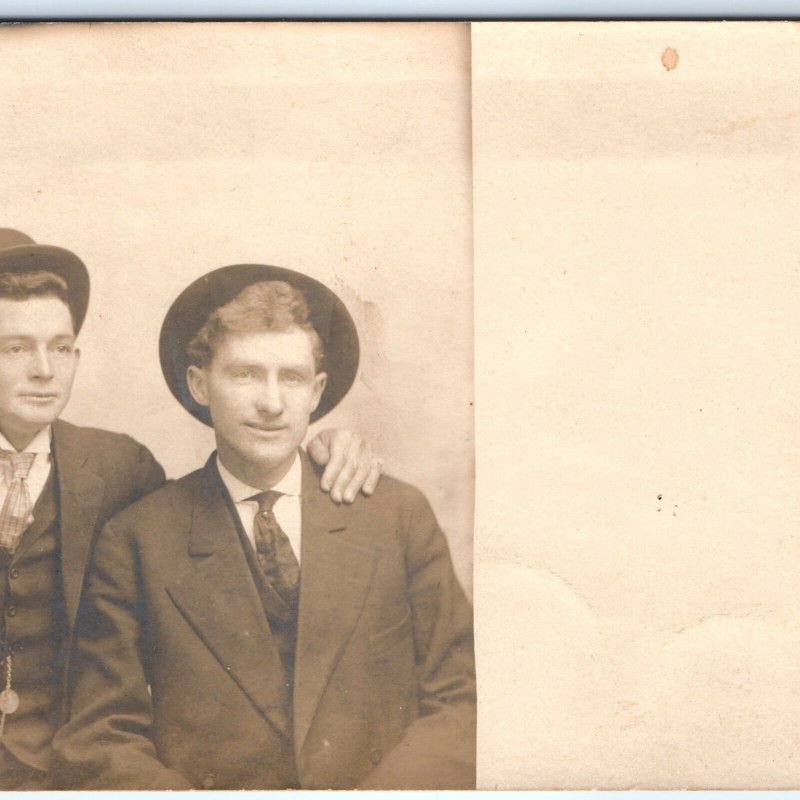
[
  {"x": 243, "y": 375},
  {"x": 14, "y": 349},
  {"x": 64, "y": 349},
  {"x": 293, "y": 378}
]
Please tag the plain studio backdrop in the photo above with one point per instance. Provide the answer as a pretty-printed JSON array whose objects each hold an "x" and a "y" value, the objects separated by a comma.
[{"x": 160, "y": 151}]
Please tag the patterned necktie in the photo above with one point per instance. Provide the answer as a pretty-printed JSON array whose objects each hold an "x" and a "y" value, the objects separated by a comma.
[
  {"x": 16, "y": 513},
  {"x": 275, "y": 554}
]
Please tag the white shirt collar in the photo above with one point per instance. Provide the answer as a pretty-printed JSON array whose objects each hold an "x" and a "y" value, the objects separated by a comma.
[
  {"x": 39, "y": 444},
  {"x": 290, "y": 484}
]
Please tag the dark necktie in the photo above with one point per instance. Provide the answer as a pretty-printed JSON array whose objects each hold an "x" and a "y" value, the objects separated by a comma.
[{"x": 275, "y": 554}]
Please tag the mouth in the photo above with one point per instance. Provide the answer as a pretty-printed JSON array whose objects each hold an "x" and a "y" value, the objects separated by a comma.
[
  {"x": 265, "y": 428},
  {"x": 39, "y": 397}
]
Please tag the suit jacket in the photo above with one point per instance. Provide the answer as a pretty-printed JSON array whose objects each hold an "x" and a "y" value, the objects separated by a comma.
[
  {"x": 174, "y": 680},
  {"x": 96, "y": 475}
]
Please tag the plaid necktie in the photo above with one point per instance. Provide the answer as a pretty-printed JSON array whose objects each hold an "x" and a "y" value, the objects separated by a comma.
[
  {"x": 16, "y": 513},
  {"x": 275, "y": 554}
]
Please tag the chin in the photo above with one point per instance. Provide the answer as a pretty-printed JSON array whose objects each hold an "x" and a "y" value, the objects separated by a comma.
[
  {"x": 272, "y": 457},
  {"x": 46, "y": 417}
]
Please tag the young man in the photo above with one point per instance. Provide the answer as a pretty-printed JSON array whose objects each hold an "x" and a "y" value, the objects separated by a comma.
[
  {"x": 239, "y": 631},
  {"x": 59, "y": 484}
]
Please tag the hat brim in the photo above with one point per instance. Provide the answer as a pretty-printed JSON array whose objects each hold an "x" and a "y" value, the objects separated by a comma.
[
  {"x": 191, "y": 309},
  {"x": 30, "y": 257}
]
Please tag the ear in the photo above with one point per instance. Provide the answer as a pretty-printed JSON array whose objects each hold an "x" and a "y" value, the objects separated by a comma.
[
  {"x": 196, "y": 380},
  {"x": 320, "y": 379}
]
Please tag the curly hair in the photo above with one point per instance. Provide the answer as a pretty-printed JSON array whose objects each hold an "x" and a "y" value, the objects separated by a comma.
[{"x": 263, "y": 306}]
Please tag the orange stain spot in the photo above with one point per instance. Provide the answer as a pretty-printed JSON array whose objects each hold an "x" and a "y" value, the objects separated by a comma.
[{"x": 669, "y": 58}]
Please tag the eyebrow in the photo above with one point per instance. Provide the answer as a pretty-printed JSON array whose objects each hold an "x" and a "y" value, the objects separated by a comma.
[
  {"x": 260, "y": 367},
  {"x": 23, "y": 337}
]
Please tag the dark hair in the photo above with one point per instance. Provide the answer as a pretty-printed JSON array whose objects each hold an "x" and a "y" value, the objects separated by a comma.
[
  {"x": 263, "y": 306},
  {"x": 36, "y": 283}
]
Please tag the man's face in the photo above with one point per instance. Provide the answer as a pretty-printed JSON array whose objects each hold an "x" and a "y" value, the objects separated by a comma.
[
  {"x": 38, "y": 359},
  {"x": 261, "y": 388}
]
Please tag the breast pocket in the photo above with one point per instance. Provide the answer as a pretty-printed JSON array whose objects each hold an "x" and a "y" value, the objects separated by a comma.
[{"x": 387, "y": 638}]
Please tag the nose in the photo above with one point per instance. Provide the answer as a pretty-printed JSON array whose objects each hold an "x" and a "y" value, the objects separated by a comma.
[
  {"x": 41, "y": 367},
  {"x": 270, "y": 399}
]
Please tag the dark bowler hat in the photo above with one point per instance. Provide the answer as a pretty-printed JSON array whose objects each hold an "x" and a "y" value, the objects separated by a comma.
[
  {"x": 327, "y": 314},
  {"x": 19, "y": 253}
]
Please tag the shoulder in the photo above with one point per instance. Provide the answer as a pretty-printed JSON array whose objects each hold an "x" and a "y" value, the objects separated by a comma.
[
  {"x": 100, "y": 443},
  {"x": 127, "y": 468},
  {"x": 170, "y": 500},
  {"x": 395, "y": 491},
  {"x": 394, "y": 501},
  {"x": 154, "y": 528},
  {"x": 398, "y": 519}
]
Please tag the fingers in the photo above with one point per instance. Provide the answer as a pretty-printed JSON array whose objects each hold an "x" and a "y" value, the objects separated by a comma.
[
  {"x": 338, "y": 444},
  {"x": 375, "y": 470},
  {"x": 349, "y": 471},
  {"x": 362, "y": 470},
  {"x": 350, "y": 465},
  {"x": 366, "y": 476},
  {"x": 318, "y": 450}
]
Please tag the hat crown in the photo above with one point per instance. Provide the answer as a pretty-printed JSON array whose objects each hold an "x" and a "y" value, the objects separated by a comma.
[
  {"x": 11, "y": 238},
  {"x": 19, "y": 253}
]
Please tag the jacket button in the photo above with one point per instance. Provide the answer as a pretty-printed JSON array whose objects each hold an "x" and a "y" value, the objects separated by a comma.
[
  {"x": 12, "y": 611},
  {"x": 14, "y": 573},
  {"x": 209, "y": 781},
  {"x": 375, "y": 755}
]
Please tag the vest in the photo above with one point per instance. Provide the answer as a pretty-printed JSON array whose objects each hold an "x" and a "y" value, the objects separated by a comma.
[
  {"x": 31, "y": 623},
  {"x": 282, "y": 622}
]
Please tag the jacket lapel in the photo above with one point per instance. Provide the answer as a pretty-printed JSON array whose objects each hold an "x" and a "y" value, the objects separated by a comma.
[
  {"x": 218, "y": 597},
  {"x": 335, "y": 572},
  {"x": 80, "y": 493}
]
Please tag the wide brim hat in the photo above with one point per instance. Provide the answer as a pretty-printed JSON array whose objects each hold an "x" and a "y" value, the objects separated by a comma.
[
  {"x": 327, "y": 313},
  {"x": 20, "y": 253}
]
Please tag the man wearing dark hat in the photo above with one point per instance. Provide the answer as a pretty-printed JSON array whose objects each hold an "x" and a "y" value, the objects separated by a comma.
[
  {"x": 59, "y": 484},
  {"x": 239, "y": 631}
]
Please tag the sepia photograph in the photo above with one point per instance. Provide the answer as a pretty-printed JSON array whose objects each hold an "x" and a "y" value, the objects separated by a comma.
[
  {"x": 399, "y": 405},
  {"x": 236, "y": 407}
]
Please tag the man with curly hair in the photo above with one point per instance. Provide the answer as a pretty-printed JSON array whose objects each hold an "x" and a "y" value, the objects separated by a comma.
[{"x": 241, "y": 632}]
